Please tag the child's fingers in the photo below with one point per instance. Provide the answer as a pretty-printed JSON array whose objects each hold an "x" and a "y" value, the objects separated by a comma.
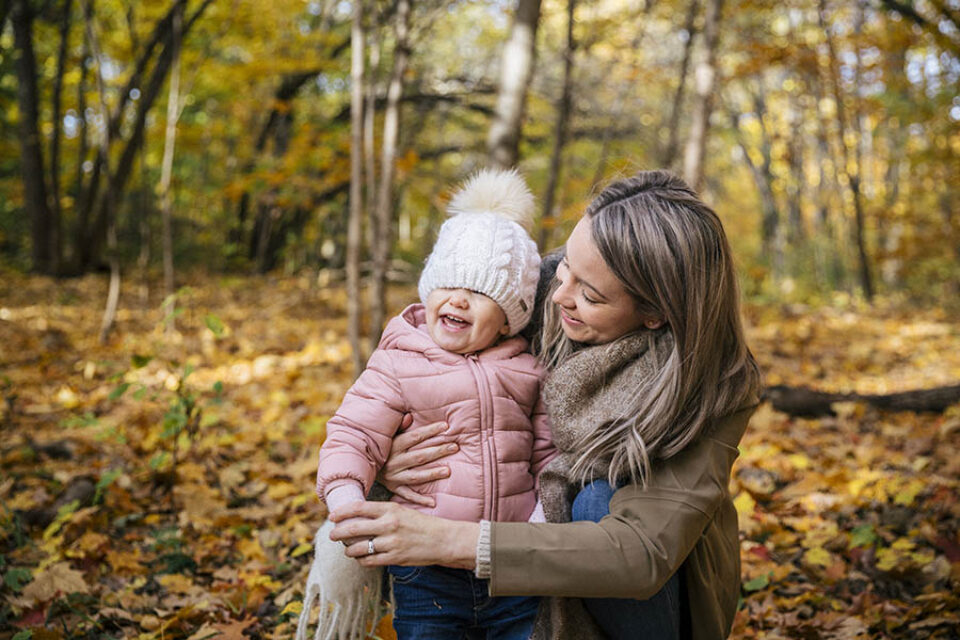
[{"x": 410, "y": 495}]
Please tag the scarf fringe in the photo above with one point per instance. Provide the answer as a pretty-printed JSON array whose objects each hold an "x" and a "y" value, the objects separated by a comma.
[{"x": 349, "y": 597}]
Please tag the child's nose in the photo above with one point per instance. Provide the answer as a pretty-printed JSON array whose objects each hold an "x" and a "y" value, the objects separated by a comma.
[{"x": 459, "y": 300}]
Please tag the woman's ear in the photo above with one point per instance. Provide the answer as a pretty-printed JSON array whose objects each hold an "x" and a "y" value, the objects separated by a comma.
[{"x": 653, "y": 323}]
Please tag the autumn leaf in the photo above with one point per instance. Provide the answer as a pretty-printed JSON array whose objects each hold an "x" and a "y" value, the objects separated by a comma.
[{"x": 55, "y": 580}]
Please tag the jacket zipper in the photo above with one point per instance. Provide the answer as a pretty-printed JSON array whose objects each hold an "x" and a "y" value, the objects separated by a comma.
[{"x": 488, "y": 448}]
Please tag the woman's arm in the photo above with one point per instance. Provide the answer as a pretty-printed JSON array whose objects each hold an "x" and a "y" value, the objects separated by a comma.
[
  {"x": 648, "y": 535},
  {"x": 403, "y": 536}
]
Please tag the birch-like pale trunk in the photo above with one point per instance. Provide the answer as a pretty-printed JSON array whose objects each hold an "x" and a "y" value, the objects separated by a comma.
[
  {"x": 516, "y": 71},
  {"x": 673, "y": 141},
  {"x": 109, "y": 201},
  {"x": 383, "y": 236},
  {"x": 354, "y": 226},
  {"x": 547, "y": 219},
  {"x": 705, "y": 79},
  {"x": 369, "y": 133},
  {"x": 166, "y": 166}
]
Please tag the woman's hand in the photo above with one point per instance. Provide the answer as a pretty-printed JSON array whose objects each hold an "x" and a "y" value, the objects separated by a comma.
[
  {"x": 405, "y": 469},
  {"x": 403, "y": 536}
]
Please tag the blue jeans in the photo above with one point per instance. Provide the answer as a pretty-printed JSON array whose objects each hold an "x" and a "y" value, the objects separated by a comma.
[
  {"x": 438, "y": 603},
  {"x": 655, "y": 619}
]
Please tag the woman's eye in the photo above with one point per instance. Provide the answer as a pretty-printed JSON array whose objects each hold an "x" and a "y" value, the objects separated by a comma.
[{"x": 589, "y": 300}]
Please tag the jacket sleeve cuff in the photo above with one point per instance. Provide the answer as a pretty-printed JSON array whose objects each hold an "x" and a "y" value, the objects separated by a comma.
[
  {"x": 482, "y": 569},
  {"x": 342, "y": 494}
]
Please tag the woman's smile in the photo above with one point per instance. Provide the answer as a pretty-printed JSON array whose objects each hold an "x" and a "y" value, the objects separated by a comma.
[{"x": 569, "y": 319}]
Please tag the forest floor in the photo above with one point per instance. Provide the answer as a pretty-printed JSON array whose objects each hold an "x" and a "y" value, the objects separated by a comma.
[{"x": 161, "y": 485}]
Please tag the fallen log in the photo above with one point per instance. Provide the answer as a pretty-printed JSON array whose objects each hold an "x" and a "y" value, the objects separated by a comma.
[{"x": 810, "y": 403}]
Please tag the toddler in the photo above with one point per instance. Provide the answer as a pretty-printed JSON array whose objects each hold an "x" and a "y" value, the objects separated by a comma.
[{"x": 456, "y": 358}]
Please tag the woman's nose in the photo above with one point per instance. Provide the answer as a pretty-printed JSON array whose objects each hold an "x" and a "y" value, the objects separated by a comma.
[{"x": 562, "y": 296}]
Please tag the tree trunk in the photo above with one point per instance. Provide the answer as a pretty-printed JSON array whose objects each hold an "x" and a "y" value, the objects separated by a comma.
[
  {"x": 763, "y": 179},
  {"x": 109, "y": 198},
  {"x": 706, "y": 80},
  {"x": 383, "y": 236},
  {"x": 55, "y": 213},
  {"x": 369, "y": 133},
  {"x": 166, "y": 166},
  {"x": 794, "y": 187},
  {"x": 149, "y": 93},
  {"x": 616, "y": 112},
  {"x": 31, "y": 152},
  {"x": 851, "y": 166},
  {"x": 547, "y": 220},
  {"x": 810, "y": 403},
  {"x": 356, "y": 186},
  {"x": 670, "y": 152},
  {"x": 516, "y": 71}
]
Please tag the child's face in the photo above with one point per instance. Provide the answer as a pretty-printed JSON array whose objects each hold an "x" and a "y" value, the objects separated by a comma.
[{"x": 464, "y": 321}]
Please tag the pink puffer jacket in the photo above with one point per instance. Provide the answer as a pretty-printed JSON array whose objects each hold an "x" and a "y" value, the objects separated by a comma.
[{"x": 490, "y": 401}]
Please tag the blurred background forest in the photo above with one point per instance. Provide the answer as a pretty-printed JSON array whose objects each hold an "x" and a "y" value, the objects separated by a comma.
[
  {"x": 217, "y": 133},
  {"x": 203, "y": 202}
]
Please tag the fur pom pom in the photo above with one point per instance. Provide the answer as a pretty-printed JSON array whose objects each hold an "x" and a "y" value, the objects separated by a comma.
[{"x": 502, "y": 192}]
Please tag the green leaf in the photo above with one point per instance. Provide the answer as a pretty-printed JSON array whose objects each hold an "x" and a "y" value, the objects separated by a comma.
[
  {"x": 16, "y": 578},
  {"x": 158, "y": 460},
  {"x": 119, "y": 391},
  {"x": 862, "y": 536},
  {"x": 215, "y": 325},
  {"x": 758, "y": 583},
  {"x": 187, "y": 370},
  {"x": 139, "y": 361},
  {"x": 105, "y": 481},
  {"x": 218, "y": 388},
  {"x": 26, "y": 634},
  {"x": 73, "y": 422},
  {"x": 140, "y": 393}
]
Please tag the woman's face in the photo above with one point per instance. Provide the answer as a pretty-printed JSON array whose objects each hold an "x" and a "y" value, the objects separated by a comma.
[{"x": 594, "y": 306}]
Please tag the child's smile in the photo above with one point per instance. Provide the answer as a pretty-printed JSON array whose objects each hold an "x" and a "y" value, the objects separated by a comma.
[{"x": 464, "y": 321}]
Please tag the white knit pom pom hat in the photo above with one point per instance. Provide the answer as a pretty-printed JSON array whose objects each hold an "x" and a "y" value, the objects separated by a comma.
[{"x": 484, "y": 245}]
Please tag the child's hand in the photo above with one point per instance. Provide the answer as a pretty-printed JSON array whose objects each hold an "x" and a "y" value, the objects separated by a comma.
[{"x": 342, "y": 495}]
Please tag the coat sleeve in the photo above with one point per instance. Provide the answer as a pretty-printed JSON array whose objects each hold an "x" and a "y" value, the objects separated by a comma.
[
  {"x": 632, "y": 552},
  {"x": 543, "y": 449},
  {"x": 360, "y": 433}
]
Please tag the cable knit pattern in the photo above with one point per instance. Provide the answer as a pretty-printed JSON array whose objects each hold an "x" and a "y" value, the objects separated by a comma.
[{"x": 484, "y": 247}]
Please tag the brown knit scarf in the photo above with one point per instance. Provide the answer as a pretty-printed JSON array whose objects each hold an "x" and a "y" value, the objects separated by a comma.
[{"x": 588, "y": 390}]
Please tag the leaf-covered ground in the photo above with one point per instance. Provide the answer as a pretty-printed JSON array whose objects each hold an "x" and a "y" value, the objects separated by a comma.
[{"x": 161, "y": 486}]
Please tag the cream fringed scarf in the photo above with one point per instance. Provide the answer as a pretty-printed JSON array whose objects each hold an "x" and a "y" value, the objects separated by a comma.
[
  {"x": 588, "y": 390},
  {"x": 348, "y": 597}
]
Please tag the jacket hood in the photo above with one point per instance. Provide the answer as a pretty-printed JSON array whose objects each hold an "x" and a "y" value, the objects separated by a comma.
[{"x": 408, "y": 332}]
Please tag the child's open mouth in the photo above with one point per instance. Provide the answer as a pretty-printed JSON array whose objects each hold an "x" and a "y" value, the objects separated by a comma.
[{"x": 453, "y": 323}]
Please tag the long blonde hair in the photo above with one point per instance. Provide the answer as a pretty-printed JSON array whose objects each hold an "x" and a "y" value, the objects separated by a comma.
[{"x": 669, "y": 251}]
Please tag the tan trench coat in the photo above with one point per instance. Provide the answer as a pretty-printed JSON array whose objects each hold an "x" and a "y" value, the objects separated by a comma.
[{"x": 684, "y": 519}]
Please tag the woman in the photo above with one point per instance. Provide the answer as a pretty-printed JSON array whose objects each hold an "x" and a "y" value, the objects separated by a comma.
[{"x": 650, "y": 388}]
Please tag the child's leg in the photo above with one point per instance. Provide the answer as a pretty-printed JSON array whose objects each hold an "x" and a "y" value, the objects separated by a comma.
[
  {"x": 432, "y": 603},
  {"x": 658, "y": 617},
  {"x": 506, "y": 617}
]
